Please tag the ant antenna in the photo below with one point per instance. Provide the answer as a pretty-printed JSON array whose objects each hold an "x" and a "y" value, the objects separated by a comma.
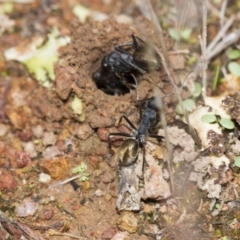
[{"x": 136, "y": 84}]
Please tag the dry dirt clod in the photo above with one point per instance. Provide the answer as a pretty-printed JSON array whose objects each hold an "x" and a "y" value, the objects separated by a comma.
[
  {"x": 3, "y": 129},
  {"x": 63, "y": 81},
  {"x": 56, "y": 167},
  {"x": 103, "y": 134},
  {"x": 128, "y": 222},
  {"x": 108, "y": 177},
  {"x": 83, "y": 131},
  {"x": 97, "y": 121},
  {"x": 7, "y": 181},
  {"x": 49, "y": 138},
  {"x": 18, "y": 116}
]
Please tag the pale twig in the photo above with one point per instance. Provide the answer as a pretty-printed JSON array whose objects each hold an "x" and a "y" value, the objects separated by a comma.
[
  {"x": 227, "y": 41},
  {"x": 182, "y": 51},
  {"x": 216, "y": 47},
  {"x": 200, "y": 206},
  {"x": 204, "y": 49},
  {"x": 60, "y": 183},
  {"x": 222, "y": 13},
  {"x": 220, "y": 34},
  {"x": 214, "y": 10},
  {"x": 56, "y": 233},
  {"x": 157, "y": 94}
]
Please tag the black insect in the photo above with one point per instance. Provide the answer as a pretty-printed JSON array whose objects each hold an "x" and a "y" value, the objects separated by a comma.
[
  {"x": 128, "y": 151},
  {"x": 120, "y": 68}
]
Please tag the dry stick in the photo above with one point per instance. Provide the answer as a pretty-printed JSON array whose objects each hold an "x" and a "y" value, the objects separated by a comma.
[
  {"x": 220, "y": 34},
  {"x": 15, "y": 228},
  {"x": 204, "y": 49},
  {"x": 216, "y": 47},
  {"x": 213, "y": 9},
  {"x": 227, "y": 41},
  {"x": 222, "y": 13},
  {"x": 56, "y": 233}
]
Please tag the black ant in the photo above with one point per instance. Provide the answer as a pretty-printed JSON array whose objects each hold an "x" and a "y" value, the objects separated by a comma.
[
  {"x": 128, "y": 151},
  {"x": 120, "y": 67}
]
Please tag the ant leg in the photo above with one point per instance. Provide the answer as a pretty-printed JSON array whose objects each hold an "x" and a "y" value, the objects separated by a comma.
[
  {"x": 128, "y": 121},
  {"x": 134, "y": 66},
  {"x": 135, "y": 42},
  {"x": 156, "y": 136},
  {"x": 120, "y": 49},
  {"x": 136, "y": 84},
  {"x": 144, "y": 163},
  {"x": 116, "y": 134}
]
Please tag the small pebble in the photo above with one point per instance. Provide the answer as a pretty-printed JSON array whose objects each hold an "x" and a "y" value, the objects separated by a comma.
[
  {"x": 49, "y": 138},
  {"x": 108, "y": 233},
  {"x": 83, "y": 131},
  {"x": 148, "y": 208},
  {"x": 44, "y": 178},
  {"x": 47, "y": 214},
  {"x": 103, "y": 134},
  {"x": 108, "y": 197},
  {"x": 51, "y": 152},
  {"x": 29, "y": 147},
  {"x": 22, "y": 159},
  {"x": 7, "y": 181},
  {"x": 120, "y": 236},
  {"x": 26, "y": 208},
  {"x": 108, "y": 177},
  {"x": 3, "y": 129},
  {"x": 99, "y": 193},
  {"x": 38, "y": 131}
]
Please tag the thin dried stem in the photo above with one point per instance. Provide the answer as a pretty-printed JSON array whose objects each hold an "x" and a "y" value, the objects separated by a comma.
[
  {"x": 217, "y": 46},
  {"x": 222, "y": 13},
  {"x": 227, "y": 41},
  {"x": 159, "y": 100},
  {"x": 213, "y": 9},
  {"x": 220, "y": 34},
  {"x": 204, "y": 49}
]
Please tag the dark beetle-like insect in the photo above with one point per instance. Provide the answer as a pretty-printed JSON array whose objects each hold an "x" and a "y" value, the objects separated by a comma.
[
  {"x": 119, "y": 68},
  {"x": 130, "y": 147}
]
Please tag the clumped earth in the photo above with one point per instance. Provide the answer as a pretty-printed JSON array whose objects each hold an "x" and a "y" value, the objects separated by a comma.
[{"x": 44, "y": 143}]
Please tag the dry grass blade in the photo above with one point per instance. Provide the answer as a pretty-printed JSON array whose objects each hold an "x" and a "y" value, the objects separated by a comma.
[
  {"x": 204, "y": 49},
  {"x": 158, "y": 94}
]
